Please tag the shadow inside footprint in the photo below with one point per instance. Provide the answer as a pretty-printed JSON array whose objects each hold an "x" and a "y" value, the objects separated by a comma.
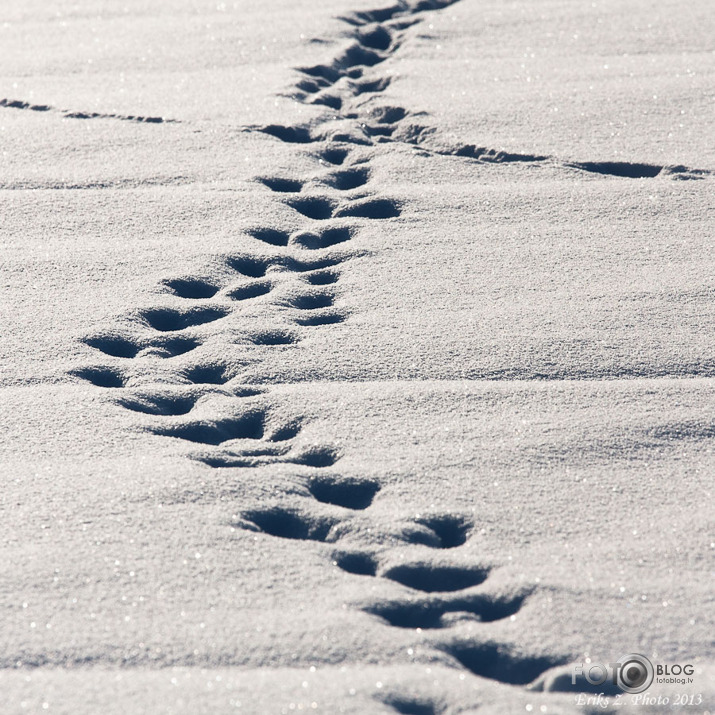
[
  {"x": 497, "y": 662},
  {"x": 322, "y": 319},
  {"x": 320, "y": 278},
  {"x": 171, "y": 347},
  {"x": 334, "y": 155},
  {"x": 311, "y": 301},
  {"x": 210, "y": 373},
  {"x": 114, "y": 345},
  {"x": 430, "y": 578},
  {"x": 323, "y": 239},
  {"x": 191, "y": 288},
  {"x": 100, "y": 376},
  {"x": 356, "y": 562},
  {"x": 246, "y": 265},
  {"x": 291, "y": 523},
  {"x": 273, "y": 337},
  {"x": 160, "y": 404},
  {"x": 317, "y": 457},
  {"x": 428, "y": 614},
  {"x": 409, "y": 705},
  {"x": 298, "y": 266},
  {"x": 348, "y": 179},
  {"x": 315, "y": 207},
  {"x": 388, "y": 115},
  {"x": 282, "y": 185},
  {"x": 169, "y": 319},
  {"x": 377, "y": 37},
  {"x": 293, "y": 135},
  {"x": 370, "y": 86},
  {"x": 346, "y": 492},
  {"x": 246, "y": 426},
  {"x": 271, "y": 236},
  {"x": 251, "y": 290},
  {"x": 370, "y": 208},
  {"x": 451, "y": 530}
]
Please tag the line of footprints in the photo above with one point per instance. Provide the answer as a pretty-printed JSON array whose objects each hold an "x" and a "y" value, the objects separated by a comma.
[{"x": 299, "y": 278}]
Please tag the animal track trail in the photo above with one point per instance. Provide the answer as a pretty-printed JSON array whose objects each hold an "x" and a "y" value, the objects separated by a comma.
[{"x": 296, "y": 275}]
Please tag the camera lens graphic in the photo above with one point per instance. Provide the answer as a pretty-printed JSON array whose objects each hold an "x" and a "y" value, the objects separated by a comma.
[{"x": 635, "y": 673}]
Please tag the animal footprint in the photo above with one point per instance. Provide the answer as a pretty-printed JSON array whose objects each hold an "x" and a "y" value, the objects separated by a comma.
[
  {"x": 271, "y": 236},
  {"x": 249, "y": 425},
  {"x": 249, "y": 290},
  {"x": 348, "y": 493},
  {"x": 161, "y": 403},
  {"x": 370, "y": 208},
  {"x": 101, "y": 376},
  {"x": 312, "y": 321},
  {"x": 441, "y": 612},
  {"x": 290, "y": 523},
  {"x": 323, "y": 277},
  {"x": 333, "y": 155},
  {"x": 498, "y": 661},
  {"x": 171, "y": 319},
  {"x": 432, "y": 578},
  {"x": 114, "y": 345},
  {"x": 209, "y": 373},
  {"x": 191, "y": 288},
  {"x": 322, "y": 239},
  {"x": 315, "y": 207},
  {"x": 311, "y": 301},
  {"x": 347, "y": 179},
  {"x": 246, "y": 265},
  {"x": 282, "y": 185}
]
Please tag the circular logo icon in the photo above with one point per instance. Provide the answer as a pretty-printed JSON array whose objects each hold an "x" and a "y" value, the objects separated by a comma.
[{"x": 635, "y": 673}]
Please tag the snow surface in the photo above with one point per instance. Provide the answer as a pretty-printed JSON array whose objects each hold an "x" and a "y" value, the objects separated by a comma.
[{"x": 355, "y": 358}]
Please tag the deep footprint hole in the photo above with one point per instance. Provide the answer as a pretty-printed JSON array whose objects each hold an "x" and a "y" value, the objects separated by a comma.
[
  {"x": 252, "y": 290},
  {"x": 211, "y": 374},
  {"x": 348, "y": 493},
  {"x": 371, "y": 208},
  {"x": 320, "y": 278},
  {"x": 314, "y": 321},
  {"x": 113, "y": 345},
  {"x": 291, "y": 524},
  {"x": 315, "y": 207},
  {"x": 169, "y": 320},
  {"x": 356, "y": 562},
  {"x": 250, "y": 266},
  {"x": 271, "y": 236},
  {"x": 160, "y": 404},
  {"x": 452, "y": 531},
  {"x": 191, "y": 288},
  {"x": 282, "y": 185},
  {"x": 348, "y": 179},
  {"x": 323, "y": 239},
  {"x": 101, "y": 376},
  {"x": 433, "y": 579},
  {"x": 497, "y": 662},
  {"x": 334, "y": 155}
]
